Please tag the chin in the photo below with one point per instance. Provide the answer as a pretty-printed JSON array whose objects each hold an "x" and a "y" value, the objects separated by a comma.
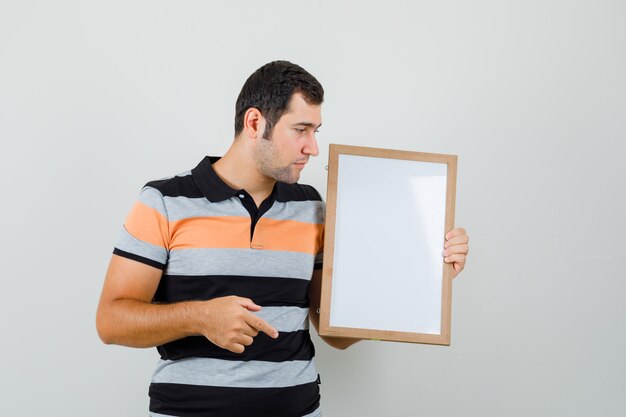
[
  {"x": 288, "y": 176},
  {"x": 290, "y": 180}
]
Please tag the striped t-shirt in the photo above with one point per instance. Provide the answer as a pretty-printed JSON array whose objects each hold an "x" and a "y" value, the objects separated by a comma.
[{"x": 212, "y": 241}]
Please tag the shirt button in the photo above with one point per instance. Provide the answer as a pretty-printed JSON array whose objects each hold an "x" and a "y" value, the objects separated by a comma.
[{"x": 241, "y": 196}]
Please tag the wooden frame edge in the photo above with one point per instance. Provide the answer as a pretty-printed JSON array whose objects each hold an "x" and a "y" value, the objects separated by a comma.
[{"x": 325, "y": 329}]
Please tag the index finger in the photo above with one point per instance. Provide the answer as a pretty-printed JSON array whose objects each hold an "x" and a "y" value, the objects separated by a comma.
[{"x": 262, "y": 326}]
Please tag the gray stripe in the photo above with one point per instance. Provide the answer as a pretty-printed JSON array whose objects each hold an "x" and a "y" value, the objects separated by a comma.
[
  {"x": 129, "y": 243},
  {"x": 237, "y": 374},
  {"x": 302, "y": 211},
  {"x": 246, "y": 262},
  {"x": 152, "y": 197},
  {"x": 185, "y": 207},
  {"x": 285, "y": 319}
]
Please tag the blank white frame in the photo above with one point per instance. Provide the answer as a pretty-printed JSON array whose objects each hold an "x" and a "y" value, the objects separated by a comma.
[{"x": 387, "y": 215}]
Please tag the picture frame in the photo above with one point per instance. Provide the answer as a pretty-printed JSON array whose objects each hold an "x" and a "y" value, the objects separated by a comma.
[{"x": 383, "y": 275}]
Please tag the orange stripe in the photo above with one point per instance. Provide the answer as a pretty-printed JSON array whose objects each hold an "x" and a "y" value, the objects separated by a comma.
[
  {"x": 147, "y": 224},
  {"x": 210, "y": 232},
  {"x": 288, "y": 235}
]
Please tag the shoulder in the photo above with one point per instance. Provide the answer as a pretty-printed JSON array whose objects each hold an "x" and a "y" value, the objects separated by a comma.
[
  {"x": 180, "y": 185},
  {"x": 297, "y": 192},
  {"x": 157, "y": 194}
]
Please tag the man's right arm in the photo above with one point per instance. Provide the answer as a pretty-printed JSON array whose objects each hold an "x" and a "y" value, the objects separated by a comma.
[{"x": 126, "y": 315}]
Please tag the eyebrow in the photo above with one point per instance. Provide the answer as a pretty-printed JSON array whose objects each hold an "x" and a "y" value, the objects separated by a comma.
[{"x": 308, "y": 124}]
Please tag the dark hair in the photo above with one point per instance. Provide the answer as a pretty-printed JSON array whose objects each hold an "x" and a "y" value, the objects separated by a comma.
[{"x": 270, "y": 89}]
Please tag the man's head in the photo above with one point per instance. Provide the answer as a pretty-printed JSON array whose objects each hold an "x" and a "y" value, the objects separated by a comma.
[{"x": 270, "y": 90}]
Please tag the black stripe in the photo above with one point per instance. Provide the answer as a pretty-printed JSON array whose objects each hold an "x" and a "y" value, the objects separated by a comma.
[
  {"x": 138, "y": 258},
  {"x": 265, "y": 291},
  {"x": 296, "y": 192},
  {"x": 177, "y": 187},
  {"x": 200, "y": 401},
  {"x": 203, "y": 182},
  {"x": 289, "y": 346}
]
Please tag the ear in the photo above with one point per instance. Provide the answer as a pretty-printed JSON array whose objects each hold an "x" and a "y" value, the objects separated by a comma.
[{"x": 253, "y": 123}]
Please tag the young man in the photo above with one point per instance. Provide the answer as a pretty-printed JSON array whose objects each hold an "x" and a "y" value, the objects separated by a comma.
[{"x": 219, "y": 267}]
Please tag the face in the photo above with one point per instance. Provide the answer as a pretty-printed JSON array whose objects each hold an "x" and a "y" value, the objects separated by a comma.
[{"x": 284, "y": 155}]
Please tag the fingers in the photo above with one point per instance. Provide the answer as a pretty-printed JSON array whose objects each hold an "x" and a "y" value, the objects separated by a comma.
[
  {"x": 262, "y": 326},
  {"x": 458, "y": 240},
  {"x": 248, "y": 332},
  {"x": 243, "y": 338},
  {"x": 458, "y": 262},
  {"x": 231, "y": 323},
  {"x": 459, "y": 231},
  {"x": 456, "y": 237},
  {"x": 457, "y": 258},
  {"x": 247, "y": 303},
  {"x": 458, "y": 249}
]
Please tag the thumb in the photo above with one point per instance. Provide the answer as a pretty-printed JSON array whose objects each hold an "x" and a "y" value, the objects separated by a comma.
[{"x": 247, "y": 303}]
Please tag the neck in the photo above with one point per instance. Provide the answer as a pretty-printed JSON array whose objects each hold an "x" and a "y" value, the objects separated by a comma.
[{"x": 238, "y": 169}]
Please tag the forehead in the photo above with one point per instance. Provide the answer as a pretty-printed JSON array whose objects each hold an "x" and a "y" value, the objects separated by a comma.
[{"x": 299, "y": 111}]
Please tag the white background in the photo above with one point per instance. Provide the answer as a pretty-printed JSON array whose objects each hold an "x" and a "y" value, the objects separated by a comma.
[{"x": 96, "y": 98}]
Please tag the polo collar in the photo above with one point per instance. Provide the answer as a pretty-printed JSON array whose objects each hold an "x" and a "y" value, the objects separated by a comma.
[
  {"x": 215, "y": 190},
  {"x": 212, "y": 186}
]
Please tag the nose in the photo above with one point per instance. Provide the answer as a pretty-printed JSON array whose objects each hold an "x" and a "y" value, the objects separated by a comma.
[{"x": 310, "y": 147}]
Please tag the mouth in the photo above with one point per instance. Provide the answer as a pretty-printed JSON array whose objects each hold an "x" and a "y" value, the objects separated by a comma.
[{"x": 301, "y": 164}]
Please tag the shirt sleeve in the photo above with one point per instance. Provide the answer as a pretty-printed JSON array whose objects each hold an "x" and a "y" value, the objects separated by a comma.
[{"x": 145, "y": 235}]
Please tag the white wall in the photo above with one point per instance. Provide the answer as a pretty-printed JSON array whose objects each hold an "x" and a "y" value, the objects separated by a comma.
[{"x": 96, "y": 98}]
